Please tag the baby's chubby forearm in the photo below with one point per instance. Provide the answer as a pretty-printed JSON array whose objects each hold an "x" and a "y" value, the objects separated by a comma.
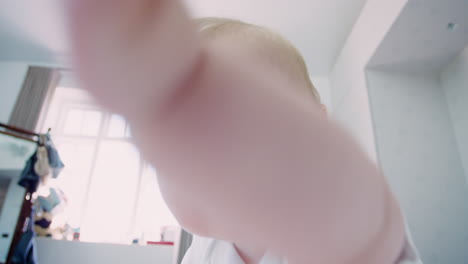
[
  {"x": 239, "y": 157},
  {"x": 249, "y": 162}
]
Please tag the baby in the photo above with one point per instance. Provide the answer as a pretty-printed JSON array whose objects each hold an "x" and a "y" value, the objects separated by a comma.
[{"x": 244, "y": 150}]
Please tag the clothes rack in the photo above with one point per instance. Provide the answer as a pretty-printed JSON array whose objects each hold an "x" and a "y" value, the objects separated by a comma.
[{"x": 20, "y": 133}]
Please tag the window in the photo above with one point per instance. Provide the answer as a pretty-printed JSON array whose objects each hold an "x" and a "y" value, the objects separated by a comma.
[
  {"x": 113, "y": 195},
  {"x": 82, "y": 122}
]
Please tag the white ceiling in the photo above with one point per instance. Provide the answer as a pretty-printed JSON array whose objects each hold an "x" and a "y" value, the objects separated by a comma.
[
  {"x": 420, "y": 41},
  {"x": 31, "y": 30},
  {"x": 34, "y": 30}
]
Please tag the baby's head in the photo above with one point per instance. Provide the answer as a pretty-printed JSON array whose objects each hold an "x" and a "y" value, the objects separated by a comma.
[{"x": 262, "y": 44}]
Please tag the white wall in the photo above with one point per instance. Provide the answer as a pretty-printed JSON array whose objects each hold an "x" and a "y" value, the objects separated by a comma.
[
  {"x": 72, "y": 252},
  {"x": 455, "y": 84},
  {"x": 11, "y": 79},
  {"x": 322, "y": 84},
  {"x": 417, "y": 151},
  {"x": 350, "y": 106}
]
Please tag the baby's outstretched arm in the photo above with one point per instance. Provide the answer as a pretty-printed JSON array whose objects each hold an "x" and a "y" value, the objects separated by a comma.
[{"x": 239, "y": 157}]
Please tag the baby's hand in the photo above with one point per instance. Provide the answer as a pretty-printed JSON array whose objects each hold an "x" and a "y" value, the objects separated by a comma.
[{"x": 132, "y": 54}]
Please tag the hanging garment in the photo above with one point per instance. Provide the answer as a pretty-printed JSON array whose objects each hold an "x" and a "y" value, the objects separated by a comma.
[
  {"x": 44, "y": 223},
  {"x": 29, "y": 178},
  {"x": 41, "y": 231},
  {"x": 42, "y": 167},
  {"x": 54, "y": 158},
  {"x": 48, "y": 203},
  {"x": 25, "y": 252}
]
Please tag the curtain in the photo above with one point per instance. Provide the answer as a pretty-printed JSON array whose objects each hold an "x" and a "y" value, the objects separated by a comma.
[
  {"x": 34, "y": 97},
  {"x": 184, "y": 244}
]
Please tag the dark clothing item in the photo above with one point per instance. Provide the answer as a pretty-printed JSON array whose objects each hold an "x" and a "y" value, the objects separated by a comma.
[
  {"x": 25, "y": 252},
  {"x": 54, "y": 158},
  {"x": 29, "y": 179},
  {"x": 44, "y": 223}
]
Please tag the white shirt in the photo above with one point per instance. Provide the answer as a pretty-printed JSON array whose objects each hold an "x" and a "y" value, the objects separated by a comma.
[{"x": 210, "y": 251}]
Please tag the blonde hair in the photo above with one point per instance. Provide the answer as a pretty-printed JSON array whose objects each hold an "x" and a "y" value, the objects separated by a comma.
[{"x": 285, "y": 54}]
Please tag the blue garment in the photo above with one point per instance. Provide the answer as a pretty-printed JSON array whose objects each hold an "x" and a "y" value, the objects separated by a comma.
[
  {"x": 29, "y": 178},
  {"x": 25, "y": 252},
  {"x": 50, "y": 202},
  {"x": 54, "y": 158}
]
